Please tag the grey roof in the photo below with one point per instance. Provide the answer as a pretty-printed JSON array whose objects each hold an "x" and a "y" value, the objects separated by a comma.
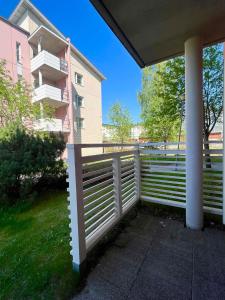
[{"x": 21, "y": 8}]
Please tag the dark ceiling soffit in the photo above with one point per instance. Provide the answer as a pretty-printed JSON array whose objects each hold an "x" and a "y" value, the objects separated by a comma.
[{"x": 106, "y": 15}]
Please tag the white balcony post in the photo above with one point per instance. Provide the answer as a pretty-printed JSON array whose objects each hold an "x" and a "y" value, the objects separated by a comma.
[
  {"x": 137, "y": 175},
  {"x": 224, "y": 144},
  {"x": 117, "y": 184},
  {"x": 40, "y": 78},
  {"x": 76, "y": 207},
  {"x": 194, "y": 133},
  {"x": 39, "y": 44}
]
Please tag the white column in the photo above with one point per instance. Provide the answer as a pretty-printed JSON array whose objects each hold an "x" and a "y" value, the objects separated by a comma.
[
  {"x": 40, "y": 82},
  {"x": 224, "y": 143},
  {"x": 194, "y": 133},
  {"x": 76, "y": 207},
  {"x": 40, "y": 78},
  {"x": 39, "y": 44}
]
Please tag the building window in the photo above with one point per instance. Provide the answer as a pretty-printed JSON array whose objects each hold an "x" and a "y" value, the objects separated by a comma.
[
  {"x": 80, "y": 123},
  {"x": 18, "y": 52},
  {"x": 78, "y": 79},
  {"x": 79, "y": 101}
]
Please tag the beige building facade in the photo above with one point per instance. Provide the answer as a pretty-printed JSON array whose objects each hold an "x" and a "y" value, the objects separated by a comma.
[{"x": 62, "y": 77}]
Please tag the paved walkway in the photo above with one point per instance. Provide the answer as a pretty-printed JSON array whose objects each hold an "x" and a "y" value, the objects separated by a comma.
[{"x": 157, "y": 258}]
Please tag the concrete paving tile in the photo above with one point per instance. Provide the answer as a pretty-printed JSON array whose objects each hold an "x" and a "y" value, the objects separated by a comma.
[
  {"x": 203, "y": 289},
  {"x": 170, "y": 265},
  {"x": 155, "y": 287},
  {"x": 116, "y": 271},
  {"x": 158, "y": 258},
  {"x": 209, "y": 264},
  {"x": 100, "y": 289}
]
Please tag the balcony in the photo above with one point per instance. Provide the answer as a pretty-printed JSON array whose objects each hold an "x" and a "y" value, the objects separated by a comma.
[
  {"x": 51, "y": 66},
  {"x": 52, "y": 95},
  {"x": 108, "y": 185},
  {"x": 52, "y": 125}
]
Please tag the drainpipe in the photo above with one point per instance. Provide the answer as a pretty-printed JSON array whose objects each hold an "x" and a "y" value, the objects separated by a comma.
[
  {"x": 194, "y": 133},
  {"x": 71, "y": 139}
]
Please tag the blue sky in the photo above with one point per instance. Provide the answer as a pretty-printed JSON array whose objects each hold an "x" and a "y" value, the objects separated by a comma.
[{"x": 88, "y": 32}]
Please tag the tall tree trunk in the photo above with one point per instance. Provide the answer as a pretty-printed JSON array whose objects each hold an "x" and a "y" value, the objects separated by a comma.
[
  {"x": 208, "y": 162},
  {"x": 179, "y": 139}
]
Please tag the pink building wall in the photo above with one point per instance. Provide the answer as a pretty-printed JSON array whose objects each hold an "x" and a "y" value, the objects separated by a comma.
[{"x": 8, "y": 38}]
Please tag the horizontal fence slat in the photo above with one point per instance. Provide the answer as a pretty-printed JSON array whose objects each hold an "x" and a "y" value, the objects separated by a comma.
[
  {"x": 102, "y": 157},
  {"x": 101, "y": 184},
  {"x": 168, "y": 192},
  {"x": 100, "y": 221},
  {"x": 98, "y": 214},
  {"x": 212, "y": 203},
  {"x": 92, "y": 173},
  {"x": 162, "y": 151},
  {"x": 127, "y": 177},
  {"x": 128, "y": 198},
  {"x": 90, "y": 211},
  {"x": 125, "y": 183},
  {"x": 127, "y": 173},
  {"x": 181, "y": 184},
  {"x": 125, "y": 187},
  {"x": 166, "y": 186},
  {"x": 95, "y": 200},
  {"x": 163, "y": 201},
  {"x": 168, "y": 196},
  {"x": 162, "y": 171},
  {"x": 158, "y": 161},
  {"x": 89, "y": 181},
  {"x": 123, "y": 194},
  {"x": 165, "y": 176}
]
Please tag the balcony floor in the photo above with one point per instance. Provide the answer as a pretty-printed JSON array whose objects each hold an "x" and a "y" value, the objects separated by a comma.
[{"x": 157, "y": 258}]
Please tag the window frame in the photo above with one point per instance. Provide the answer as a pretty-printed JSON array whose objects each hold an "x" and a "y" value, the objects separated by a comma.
[
  {"x": 82, "y": 79},
  {"x": 78, "y": 122},
  {"x": 77, "y": 101}
]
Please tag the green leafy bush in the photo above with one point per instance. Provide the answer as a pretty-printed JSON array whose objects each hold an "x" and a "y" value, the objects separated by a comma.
[{"x": 27, "y": 161}]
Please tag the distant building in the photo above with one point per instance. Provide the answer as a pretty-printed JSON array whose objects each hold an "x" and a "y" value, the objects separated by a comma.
[
  {"x": 217, "y": 132},
  {"x": 136, "y": 135}
]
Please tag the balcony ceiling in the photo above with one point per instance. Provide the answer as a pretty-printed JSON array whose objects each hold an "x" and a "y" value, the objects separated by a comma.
[
  {"x": 155, "y": 30},
  {"x": 49, "y": 40},
  {"x": 50, "y": 73}
]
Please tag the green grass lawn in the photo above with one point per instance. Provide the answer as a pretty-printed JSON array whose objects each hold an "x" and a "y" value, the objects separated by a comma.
[{"x": 34, "y": 250}]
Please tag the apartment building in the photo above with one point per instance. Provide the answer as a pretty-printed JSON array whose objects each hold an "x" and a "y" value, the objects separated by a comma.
[
  {"x": 137, "y": 134},
  {"x": 59, "y": 74}
]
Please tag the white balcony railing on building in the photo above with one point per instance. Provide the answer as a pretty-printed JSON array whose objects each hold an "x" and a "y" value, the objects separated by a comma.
[
  {"x": 103, "y": 187},
  {"x": 52, "y": 125},
  {"x": 50, "y": 92},
  {"x": 46, "y": 58}
]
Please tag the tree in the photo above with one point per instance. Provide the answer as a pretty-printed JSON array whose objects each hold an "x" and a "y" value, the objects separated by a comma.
[
  {"x": 167, "y": 83},
  {"x": 15, "y": 101},
  {"x": 121, "y": 121},
  {"x": 160, "y": 112},
  {"x": 212, "y": 87}
]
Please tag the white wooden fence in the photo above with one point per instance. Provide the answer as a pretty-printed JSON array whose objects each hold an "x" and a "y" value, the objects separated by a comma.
[
  {"x": 103, "y": 187},
  {"x": 163, "y": 175}
]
